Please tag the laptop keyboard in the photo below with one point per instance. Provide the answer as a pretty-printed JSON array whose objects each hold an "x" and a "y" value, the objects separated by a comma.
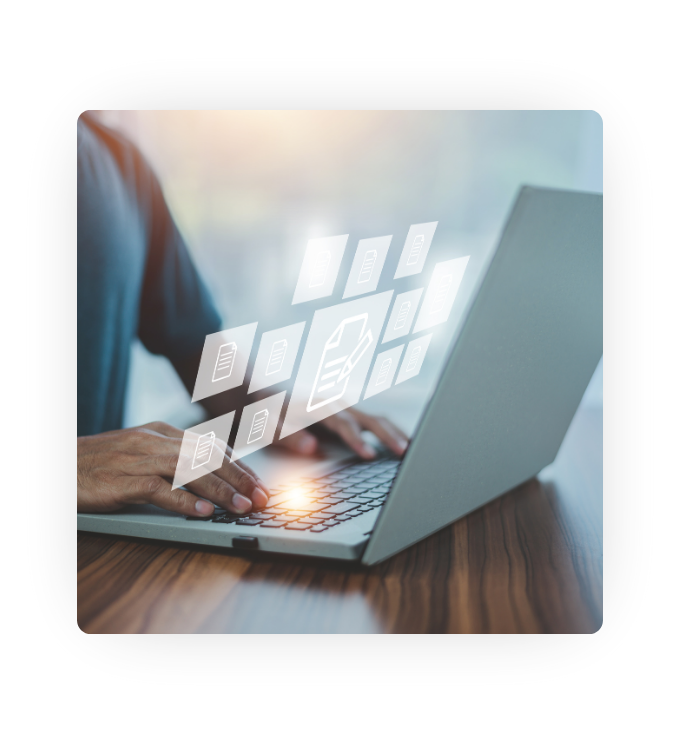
[{"x": 318, "y": 504}]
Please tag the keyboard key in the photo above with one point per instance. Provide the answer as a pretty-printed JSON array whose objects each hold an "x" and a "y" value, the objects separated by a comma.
[
  {"x": 363, "y": 499},
  {"x": 324, "y": 515},
  {"x": 318, "y": 529},
  {"x": 355, "y": 513},
  {"x": 331, "y": 523},
  {"x": 249, "y": 522},
  {"x": 354, "y": 490},
  {"x": 273, "y": 524},
  {"x": 366, "y": 508},
  {"x": 286, "y": 518},
  {"x": 297, "y": 526},
  {"x": 310, "y": 520},
  {"x": 280, "y": 499},
  {"x": 329, "y": 500},
  {"x": 262, "y": 515},
  {"x": 338, "y": 508},
  {"x": 298, "y": 513},
  {"x": 378, "y": 491},
  {"x": 342, "y": 518},
  {"x": 227, "y": 519}
]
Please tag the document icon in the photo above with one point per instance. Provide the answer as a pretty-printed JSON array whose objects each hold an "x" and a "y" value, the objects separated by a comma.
[
  {"x": 276, "y": 357},
  {"x": 402, "y": 315},
  {"x": 414, "y": 255},
  {"x": 384, "y": 371},
  {"x": 439, "y": 299},
  {"x": 413, "y": 359},
  {"x": 258, "y": 426},
  {"x": 367, "y": 266},
  {"x": 225, "y": 361},
  {"x": 322, "y": 261},
  {"x": 203, "y": 452},
  {"x": 341, "y": 353}
]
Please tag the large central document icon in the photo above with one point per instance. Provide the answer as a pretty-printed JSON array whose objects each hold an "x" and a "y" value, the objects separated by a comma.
[{"x": 345, "y": 347}]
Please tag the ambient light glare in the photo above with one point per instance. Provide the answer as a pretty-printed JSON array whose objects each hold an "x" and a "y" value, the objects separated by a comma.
[{"x": 297, "y": 496}]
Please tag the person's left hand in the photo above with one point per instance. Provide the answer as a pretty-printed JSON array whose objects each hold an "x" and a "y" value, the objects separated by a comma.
[{"x": 348, "y": 425}]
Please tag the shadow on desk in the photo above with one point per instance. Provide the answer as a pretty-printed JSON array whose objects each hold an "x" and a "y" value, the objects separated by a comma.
[{"x": 528, "y": 562}]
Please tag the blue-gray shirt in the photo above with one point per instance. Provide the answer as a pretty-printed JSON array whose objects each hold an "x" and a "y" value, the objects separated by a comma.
[{"x": 135, "y": 276}]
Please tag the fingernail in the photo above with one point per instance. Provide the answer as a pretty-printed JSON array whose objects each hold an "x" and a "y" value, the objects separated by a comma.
[
  {"x": 259, "y": 498},
  {"x": 369, "y": 451},
  {"x": 241, "y": 503},
  {"x": 403, "y": 444},
  {"x": 203, "y": 507}
]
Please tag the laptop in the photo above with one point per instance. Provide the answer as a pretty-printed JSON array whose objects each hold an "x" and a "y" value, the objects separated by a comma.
[{"x": 518, "y": 365}]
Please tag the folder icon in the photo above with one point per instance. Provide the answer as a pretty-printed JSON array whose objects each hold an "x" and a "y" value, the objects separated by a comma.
[
  {"x": 224, "y": 366},
  {"x": 204, "y": 446}
]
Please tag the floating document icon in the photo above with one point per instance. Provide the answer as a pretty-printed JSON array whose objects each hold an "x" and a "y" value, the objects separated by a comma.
[
  {"x": 383, "y": 371},
  {"x": 258, "y": 425},
  {"x": 345, "y": 347},
  {"x": 204, "y": 446},
  {"x": 402, "y": 315},
  {"x": 414, "y": 254},
  {"x": 413, "y": 359},
  {"x": 225, "y": 361},
  {"x": 276, "y": 357},
  {"x": 320, "y": 268},
  {"x": 439, "y": 297},
  {"x": 367, "y": 266}
]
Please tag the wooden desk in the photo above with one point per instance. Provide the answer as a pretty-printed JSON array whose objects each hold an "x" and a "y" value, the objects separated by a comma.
[{"x": 529, "y": 562}]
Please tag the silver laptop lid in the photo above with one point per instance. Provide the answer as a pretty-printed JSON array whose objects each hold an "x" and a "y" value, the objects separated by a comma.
[{"x": 519, "y": 365}]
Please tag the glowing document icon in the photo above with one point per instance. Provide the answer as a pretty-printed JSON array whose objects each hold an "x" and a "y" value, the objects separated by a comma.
[
  {"x": 258, "y": 426},
  {"x": 384, "y": 371},
  {"x": 367, "y": 267},
  {"x": 402, "y": 315},
  {"x": 341, "y": 353},
  {"x": 439, "y": 299},
  {"x": 318, "y": 273},
  {"x": 204, "y": 446},
  {"x": 413, "y": 359},
  {"x": 414, "y": 255},
  {"x": 225, "y": 361},
  {"x": 276, "y": 357}
]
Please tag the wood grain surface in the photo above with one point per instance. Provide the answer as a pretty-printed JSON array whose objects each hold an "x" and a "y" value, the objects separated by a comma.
[{"x": 528, "y": 562}]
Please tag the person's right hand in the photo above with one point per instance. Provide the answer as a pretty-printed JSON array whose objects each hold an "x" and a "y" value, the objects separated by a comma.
[{"x": 132, "y": 466}]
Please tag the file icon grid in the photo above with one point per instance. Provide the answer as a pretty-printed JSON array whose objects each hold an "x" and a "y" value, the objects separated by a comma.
[{"x": 383, "y": 372}]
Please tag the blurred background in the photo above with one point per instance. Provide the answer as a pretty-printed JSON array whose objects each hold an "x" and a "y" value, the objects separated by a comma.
[{"x": 248, "y": 189}]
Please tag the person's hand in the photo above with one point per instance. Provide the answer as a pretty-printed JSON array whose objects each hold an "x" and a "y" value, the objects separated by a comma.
[
  {"x": 348, "y": 425},
  {"x": 136, "y": 466}
]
